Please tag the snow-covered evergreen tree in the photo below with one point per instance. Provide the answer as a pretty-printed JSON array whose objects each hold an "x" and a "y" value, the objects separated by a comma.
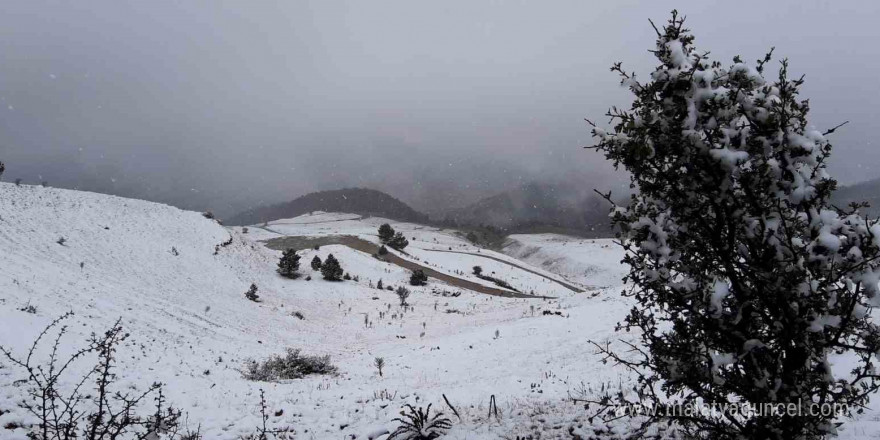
[
  {"x": 398, "y": 241},
  {"x": 331, "y": 269},
  {"x": 316, "y": 263},
  {"x": 746, "y": 280},
  {"x": 289, "y": 264},
  {"x": 386, "y": 233},
  {"x": 418, "y": 278},
  {"x": 251, "y": 294}
]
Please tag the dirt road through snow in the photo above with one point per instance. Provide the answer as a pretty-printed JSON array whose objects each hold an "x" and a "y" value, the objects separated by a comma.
[{"x": 304, "y": 242}]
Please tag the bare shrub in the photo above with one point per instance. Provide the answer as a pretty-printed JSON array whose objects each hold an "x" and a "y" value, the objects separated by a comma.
[
  {"x": 102, "y": 412},
  {"x": 379, "y": 362},
  {"x": 263, "y": 432}
]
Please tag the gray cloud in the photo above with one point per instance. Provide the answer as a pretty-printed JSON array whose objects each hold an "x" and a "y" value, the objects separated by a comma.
[{"x": 233, "y": 104}]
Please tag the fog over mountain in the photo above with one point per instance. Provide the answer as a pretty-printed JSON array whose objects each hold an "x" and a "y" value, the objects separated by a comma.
[{"x": 232, "y": 105}]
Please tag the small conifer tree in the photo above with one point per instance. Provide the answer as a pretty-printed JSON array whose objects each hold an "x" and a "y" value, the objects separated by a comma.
[
  {"x": 331, "y": 270},
  {"x": 251, "y": 294},
  {"x": 316, "y": 263},
  {"x": 398, "y": 241},
  {"x": 418, "y": 278},
  {"x": 289, "y": 264},
  {"x": 386, "y": 233}
]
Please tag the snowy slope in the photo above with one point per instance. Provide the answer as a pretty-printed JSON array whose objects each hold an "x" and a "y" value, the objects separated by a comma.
[
  {"x": 591, "y": 262},
  {"x": 441, "y": 249},
  {"x": 187, "y": 311},
  {"x": 192, "y": 328}
]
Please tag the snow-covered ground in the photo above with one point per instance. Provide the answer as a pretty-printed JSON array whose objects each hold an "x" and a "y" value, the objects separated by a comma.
[
  {"x": 155, "y": 267},
  {"x": 591, "y": 262},
  {"x": 442, "y": 249}
]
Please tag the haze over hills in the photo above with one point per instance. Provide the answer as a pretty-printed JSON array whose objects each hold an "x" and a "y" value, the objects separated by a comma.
[
  {"x": 352, "y": 200},
  {"x": 530, "y": 207},
  {"x": 535, "y": 206},
  {"x": 868, "y": 191}
]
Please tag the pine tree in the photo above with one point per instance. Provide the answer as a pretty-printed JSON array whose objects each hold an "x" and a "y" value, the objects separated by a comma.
[
  {"x": 316, "y": 263},
  {"x": 331, "y": 270},
  {"x": 251, "y": 294},
  {"x": 386, "y": 233},
  {"x": 383, "y": 250},
  {"x": 289, "y": 264},
  {"x": 418, "y": 278},
  {"x": 398, "y": 241},
  {"x": 379, "y": 285},
  {"x": 745, "y": 278}
]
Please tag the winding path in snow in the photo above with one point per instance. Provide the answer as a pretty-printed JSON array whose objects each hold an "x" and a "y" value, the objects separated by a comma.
[{"x": 359, "y": 244}]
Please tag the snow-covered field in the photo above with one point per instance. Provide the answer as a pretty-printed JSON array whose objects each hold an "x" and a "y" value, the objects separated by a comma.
[
  {"x": 594, "y": 263},
  {"x": 155, "y": 267}
]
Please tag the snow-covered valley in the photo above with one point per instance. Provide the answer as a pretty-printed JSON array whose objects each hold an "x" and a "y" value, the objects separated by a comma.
[{"x": 181, "y": 297}]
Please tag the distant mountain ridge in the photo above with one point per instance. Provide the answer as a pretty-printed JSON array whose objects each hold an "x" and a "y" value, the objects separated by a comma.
[
  {"x": 538, "y": 207},
  {"x": 868, "y": 191},
  {"x": 362, "y": 201}
]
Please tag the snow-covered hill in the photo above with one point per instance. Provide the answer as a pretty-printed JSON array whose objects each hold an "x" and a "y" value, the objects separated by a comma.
[
  {"x": 155, "y": 267},
  {"x": 594, "y": 263},
  {"x": 182, "y": 299}
]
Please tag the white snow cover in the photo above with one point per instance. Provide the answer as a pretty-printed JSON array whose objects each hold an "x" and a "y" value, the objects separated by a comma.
[
  {"x": 593, "y": 263},
  {"x": 192, "y": 328}
]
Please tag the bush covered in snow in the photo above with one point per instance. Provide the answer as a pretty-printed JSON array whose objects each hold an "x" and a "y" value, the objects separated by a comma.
[
  {"x": 292, "y": 365},
  {"x": 746, "y": 279}
]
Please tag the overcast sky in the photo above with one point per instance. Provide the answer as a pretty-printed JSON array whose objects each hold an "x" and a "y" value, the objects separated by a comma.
[{"x": 224, "y": 105}]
